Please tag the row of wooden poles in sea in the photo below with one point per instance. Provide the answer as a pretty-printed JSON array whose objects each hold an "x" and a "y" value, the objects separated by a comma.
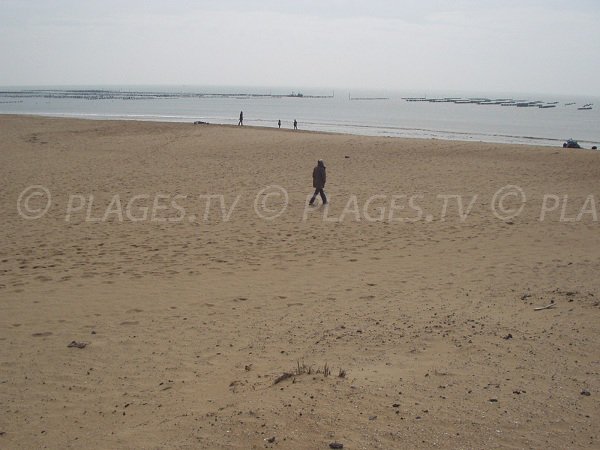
[
  {"x": 497, "y": 102},
  {"x": 95, "y": 94},
  {"x": 100, "y": 94}
]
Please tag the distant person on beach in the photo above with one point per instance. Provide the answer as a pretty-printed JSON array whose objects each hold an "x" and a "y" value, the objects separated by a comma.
[
  {"x": 319, "y": 179},
  {"x": 295, "y": 124},
  {"x": 279, "y": 123},
  {"x": 241, "y": 122}
]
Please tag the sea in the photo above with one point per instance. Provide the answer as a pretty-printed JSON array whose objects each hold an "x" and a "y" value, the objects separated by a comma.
[{"x": 520, "y": 118}]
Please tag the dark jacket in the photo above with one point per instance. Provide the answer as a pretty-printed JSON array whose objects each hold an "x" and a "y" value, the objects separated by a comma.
[{"x": 319, "y": 175}]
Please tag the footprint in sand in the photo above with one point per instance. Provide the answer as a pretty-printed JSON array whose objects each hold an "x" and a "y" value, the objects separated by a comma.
[
  {"x": 43, "y": 278},
  {"x": 135, "y": 310},
  {"x": 129, "y": 323}
]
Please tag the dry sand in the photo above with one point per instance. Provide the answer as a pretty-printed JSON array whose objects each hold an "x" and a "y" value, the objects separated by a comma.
[{"x": 188, "y": 323}]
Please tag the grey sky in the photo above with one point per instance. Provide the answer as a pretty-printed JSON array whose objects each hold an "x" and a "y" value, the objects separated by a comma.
[{"x": 550, "y": 46}]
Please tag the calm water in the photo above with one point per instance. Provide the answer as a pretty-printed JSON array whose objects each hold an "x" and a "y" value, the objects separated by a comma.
[{"x": 334, "y": 111}]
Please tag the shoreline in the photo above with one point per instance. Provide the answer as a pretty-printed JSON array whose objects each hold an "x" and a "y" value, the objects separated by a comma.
[
  {"x": 437, "y": 117},
  {"x": 324, "y": 132}
]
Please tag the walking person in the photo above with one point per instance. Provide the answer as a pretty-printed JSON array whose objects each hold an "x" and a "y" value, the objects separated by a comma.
[
  {"x": 295, "y": 124},
  {"x": 319, "y": 179},
  {"x": 241, "y": 122},
  {"x": 279, "y": 123}
]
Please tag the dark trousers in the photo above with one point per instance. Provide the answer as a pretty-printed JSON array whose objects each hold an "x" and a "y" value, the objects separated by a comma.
[{"x": 318, "y": 191}]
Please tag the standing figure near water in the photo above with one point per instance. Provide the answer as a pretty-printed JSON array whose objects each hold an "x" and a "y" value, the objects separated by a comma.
[
  {"x": 241, "y": 122},
  {"x": 279, "y": 123},
  {"x": 319, "y": 179},
  {"x": 295, "y": 124}
]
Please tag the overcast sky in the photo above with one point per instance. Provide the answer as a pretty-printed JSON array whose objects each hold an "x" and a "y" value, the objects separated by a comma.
[{"x": 545, "y": 46}]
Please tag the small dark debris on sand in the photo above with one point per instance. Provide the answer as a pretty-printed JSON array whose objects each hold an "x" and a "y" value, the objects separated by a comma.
[
  {"x": 336, "y": 445},
  {"x": 200, "y": 122},
  {"x": 43, "y": 334},
  {"x": 77, "y": 344},
  {"x": 284, "y": 376},
  {"x": 585, "y": 392}
]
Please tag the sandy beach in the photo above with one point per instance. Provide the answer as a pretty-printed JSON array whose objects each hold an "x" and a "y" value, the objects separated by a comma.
[{"x": 216, "y": 310}]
